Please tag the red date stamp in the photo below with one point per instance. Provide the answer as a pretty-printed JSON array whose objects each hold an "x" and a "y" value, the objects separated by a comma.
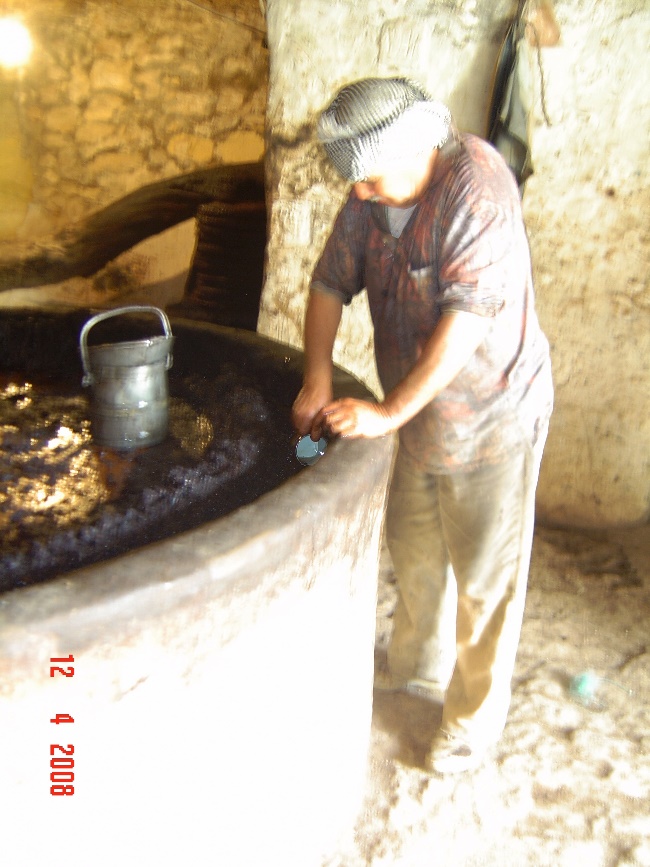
[{"x": 61, "y": 755}]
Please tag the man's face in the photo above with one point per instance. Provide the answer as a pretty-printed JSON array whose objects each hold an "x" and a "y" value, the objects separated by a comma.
[
  {"x": 398, "y": 185},
  {"x": 388, "y": 189}
]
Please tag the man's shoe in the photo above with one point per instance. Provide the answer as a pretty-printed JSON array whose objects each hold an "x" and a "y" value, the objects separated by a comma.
[{"x": 450, "y": 754}]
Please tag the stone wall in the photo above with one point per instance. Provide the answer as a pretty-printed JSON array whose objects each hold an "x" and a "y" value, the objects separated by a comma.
[
  {"x": 586, "y": 205},
  {"x": 118, "y": 95}
]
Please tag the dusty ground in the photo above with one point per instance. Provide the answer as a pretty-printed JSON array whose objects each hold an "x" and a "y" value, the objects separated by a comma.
[{"x": 569, "y": 784}]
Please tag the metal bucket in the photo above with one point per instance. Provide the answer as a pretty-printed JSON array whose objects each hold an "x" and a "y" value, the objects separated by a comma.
[{"x": 130, "y": 402}]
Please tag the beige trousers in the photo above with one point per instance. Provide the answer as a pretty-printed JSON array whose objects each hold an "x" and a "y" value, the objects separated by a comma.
[{"x": 460, "y": 546}]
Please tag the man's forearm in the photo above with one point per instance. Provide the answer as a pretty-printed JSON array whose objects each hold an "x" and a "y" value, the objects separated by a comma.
[
  {"x": 455, "y": 339},
  {"x": 321, "y": 325}
]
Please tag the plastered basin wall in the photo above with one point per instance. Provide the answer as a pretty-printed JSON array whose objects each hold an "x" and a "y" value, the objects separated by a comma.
[{"x": 222, "y": 685}]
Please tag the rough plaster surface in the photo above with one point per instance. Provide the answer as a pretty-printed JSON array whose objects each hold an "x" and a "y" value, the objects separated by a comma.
[
  {"x": 587, "y": 209},
  {"x": 586, "y": 206}
]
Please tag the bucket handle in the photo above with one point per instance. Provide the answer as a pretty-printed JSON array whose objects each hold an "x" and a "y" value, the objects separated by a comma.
[{"x": 88, "y": 378}]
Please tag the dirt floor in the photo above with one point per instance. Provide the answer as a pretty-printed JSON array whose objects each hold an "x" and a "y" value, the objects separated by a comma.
[{"x": 569, "y": 783}]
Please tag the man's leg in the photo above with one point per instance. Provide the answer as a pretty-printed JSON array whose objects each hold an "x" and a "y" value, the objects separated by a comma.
[
  {"x": 422, "y": 648},
  {"x": 488, "y": 518}
]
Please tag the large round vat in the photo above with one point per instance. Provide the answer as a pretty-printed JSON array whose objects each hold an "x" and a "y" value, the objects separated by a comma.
[{"x": 215, "y": 687}]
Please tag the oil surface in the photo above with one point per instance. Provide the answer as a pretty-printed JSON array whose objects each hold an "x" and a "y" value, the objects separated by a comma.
[{"x": 65, "y": 502}]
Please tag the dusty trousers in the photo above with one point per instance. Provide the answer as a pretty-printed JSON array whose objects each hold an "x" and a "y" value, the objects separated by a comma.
[{"x": 461, "y": 546}]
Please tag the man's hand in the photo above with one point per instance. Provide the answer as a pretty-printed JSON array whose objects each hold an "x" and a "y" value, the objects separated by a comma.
[
  {"x": 311, "y": 399},
  {"x": 352, "y": 418},
  {"x": 321, "y": 323}
]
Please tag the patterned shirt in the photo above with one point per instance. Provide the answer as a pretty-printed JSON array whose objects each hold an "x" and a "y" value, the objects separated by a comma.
[{"x": 464, "y": 248}]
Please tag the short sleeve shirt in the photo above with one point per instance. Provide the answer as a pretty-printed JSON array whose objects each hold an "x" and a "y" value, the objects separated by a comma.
[{"x": 463, "y": 249}]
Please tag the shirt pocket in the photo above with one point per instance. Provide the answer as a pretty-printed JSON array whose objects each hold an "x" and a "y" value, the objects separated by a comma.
[
  {"x": 423, "y": 282},
  {"x": 419, "y": 298}
]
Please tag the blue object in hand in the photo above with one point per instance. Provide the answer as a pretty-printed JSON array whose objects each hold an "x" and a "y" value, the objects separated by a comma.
[{"x": 309, "y": 451}]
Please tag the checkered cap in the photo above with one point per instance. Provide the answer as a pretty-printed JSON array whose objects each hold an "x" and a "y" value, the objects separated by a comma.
[{"x": 376, "y": 121}]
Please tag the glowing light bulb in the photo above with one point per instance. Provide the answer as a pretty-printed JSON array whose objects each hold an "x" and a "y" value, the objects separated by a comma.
[{"x": 15, "y": 43}]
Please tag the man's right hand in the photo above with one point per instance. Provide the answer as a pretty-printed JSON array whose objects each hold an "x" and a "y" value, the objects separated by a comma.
[
  {"x": 311, "y": 399},
  {"x": 321, "y": 323}
]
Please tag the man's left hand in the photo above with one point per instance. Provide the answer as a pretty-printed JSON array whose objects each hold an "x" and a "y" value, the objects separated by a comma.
[{"x": 352, "y": 418}]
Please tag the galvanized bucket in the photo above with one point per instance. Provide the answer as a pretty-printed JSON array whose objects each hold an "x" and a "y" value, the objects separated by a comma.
[{"x": 130, "y": 396}]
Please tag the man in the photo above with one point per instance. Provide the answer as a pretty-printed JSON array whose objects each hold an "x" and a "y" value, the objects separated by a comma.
[{"x": 433, "y": 230}]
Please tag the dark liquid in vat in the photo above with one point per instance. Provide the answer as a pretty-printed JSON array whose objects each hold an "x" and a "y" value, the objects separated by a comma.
[{"x": 66, "y": 502}]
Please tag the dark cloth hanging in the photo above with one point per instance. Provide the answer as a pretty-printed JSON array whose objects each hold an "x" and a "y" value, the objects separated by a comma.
[
  {"x": 224, "y": 283},
  {"x": 508, "y": 117}
]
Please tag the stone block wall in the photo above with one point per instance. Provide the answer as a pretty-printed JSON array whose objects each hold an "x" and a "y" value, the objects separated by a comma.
[
  {"x": 118, "y": 95},
  {"x": 586, "y": 206}
]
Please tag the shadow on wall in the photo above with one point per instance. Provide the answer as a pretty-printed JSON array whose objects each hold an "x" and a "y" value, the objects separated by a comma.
[{"x": 226, "y": 274}]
